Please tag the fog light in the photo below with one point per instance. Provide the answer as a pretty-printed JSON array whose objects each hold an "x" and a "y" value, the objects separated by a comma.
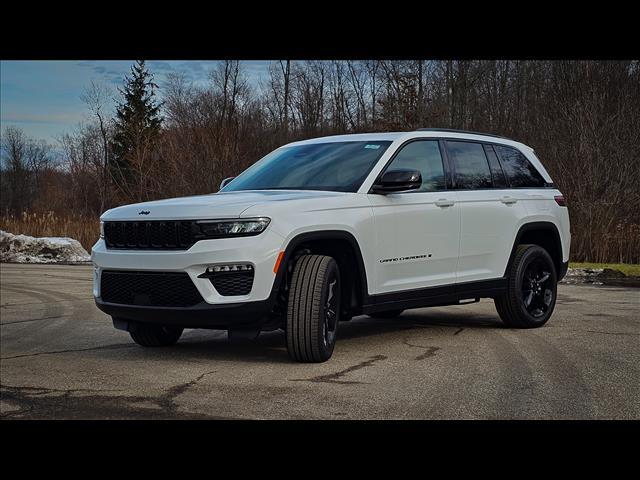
[{"x": 230, "y": 267}]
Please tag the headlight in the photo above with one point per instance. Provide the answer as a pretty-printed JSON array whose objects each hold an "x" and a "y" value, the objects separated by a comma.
[
  {"x": 101, "y": 229},
  {"x": 233, "y": 228}
]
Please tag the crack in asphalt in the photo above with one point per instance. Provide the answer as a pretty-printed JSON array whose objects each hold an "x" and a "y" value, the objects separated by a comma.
[
  {"x": 16, "y": 394},
  {"x": 167, "y": 401},
  {"x": 458, "y": 331},
  {"x": 40, "y": 400},
  {"x": 429, "y": 350},
  {"x": 34, "y": 319},
  {"x": 45, "y": 390},
  {"x": 54, "y": 352},
  {"x": 333, "y": 377}
]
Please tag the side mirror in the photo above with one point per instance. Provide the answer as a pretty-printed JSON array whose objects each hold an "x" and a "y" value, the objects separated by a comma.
[
  {"x": 224, "y": 182},
  {"x": 398, "y": 180}
]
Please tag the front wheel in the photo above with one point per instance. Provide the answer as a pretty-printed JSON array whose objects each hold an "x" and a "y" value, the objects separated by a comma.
[
  {"x": 531, "y": 291},
  {"x": 313, "y": 312}
]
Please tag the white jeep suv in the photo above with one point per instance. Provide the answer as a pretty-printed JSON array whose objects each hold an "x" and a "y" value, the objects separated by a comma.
[{"x": 322, "y": 230}]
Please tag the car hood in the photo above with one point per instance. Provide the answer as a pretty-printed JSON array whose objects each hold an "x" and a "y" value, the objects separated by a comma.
[{"x": 216, "y": 205}]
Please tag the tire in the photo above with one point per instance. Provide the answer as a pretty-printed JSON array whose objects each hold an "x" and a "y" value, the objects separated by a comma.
[
  {"x": 155, "y": 335},
  {"x": 315, "y": 293},
  {"x": 386, "y": 314},
  {"x": 531, "y": 289}
]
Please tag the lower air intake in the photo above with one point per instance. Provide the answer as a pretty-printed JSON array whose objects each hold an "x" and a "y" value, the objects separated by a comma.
[
  {"x": 232, "y": 283},
  {"x": 158, "y": 289}
]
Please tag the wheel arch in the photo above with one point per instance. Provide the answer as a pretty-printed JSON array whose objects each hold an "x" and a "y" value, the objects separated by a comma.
[
  {"x": 340, "y": 244},
  {"x": 544, "y": 234}
]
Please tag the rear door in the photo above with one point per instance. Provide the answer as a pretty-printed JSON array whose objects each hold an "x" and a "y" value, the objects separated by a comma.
[
  {"x": 417, "y": 232},
  {"x": 489, "y": 212}
]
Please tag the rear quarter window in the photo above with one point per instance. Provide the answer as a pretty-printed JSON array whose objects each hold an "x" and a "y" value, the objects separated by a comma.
[
  {"x": 499, "y": 180},
  {"x": 518, "y": 169}
]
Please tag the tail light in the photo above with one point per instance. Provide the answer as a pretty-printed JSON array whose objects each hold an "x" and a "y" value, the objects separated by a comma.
[{"x": 560, "y": 200}]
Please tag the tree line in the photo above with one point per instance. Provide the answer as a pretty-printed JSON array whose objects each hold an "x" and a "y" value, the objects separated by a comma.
[{"x": 581, "y": 117}]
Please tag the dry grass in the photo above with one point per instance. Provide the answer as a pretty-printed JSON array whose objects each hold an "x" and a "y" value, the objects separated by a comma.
[
  {"x": 84, "y": 229},
  {"x": 627, "y": 269}
]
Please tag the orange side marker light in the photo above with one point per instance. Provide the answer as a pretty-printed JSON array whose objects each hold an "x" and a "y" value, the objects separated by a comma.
[{"x": 278, "y": 261}]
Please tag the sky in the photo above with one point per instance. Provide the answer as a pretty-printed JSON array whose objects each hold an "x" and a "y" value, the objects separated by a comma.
[{"x": 43, "y": 97}]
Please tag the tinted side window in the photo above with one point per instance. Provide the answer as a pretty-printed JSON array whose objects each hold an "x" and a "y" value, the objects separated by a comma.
[
  {"x": 470, "y": 164},
  {"x": 499, "y": 180},
  {"x": 424, "y": 156},
  {"x": 518, "y": 168}
]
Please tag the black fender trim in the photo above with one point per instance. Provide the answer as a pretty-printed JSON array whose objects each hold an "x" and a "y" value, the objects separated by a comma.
[{"x": 561, "y": 270}]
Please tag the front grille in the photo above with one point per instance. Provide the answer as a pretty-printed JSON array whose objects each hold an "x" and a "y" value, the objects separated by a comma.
[
  {"x": 159, "y": 289},
  {"x": 232, "y": 283},
  {"x": 151, "y": 235}
]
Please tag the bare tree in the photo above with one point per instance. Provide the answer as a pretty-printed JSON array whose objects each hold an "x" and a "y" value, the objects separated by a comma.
[
  {"x": 96, "y": 97},
  {"x": 581, "y": 117},
  {"x": 286, "y": 74},
  {"x": 24, "y": 161}
]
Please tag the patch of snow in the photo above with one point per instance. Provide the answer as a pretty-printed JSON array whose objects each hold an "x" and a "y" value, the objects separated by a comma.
[
  {"x": 577, "y": 276},
  {"x": 26, "y": 249}
]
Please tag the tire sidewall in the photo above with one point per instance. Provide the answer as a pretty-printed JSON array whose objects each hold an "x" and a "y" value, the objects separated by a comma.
[{"x": 332, "y": 270}]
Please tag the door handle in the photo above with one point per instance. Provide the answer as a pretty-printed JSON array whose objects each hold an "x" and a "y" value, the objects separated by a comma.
[
  {"x": 443, "y": 202},
  {"x": 508, "y": 200}
]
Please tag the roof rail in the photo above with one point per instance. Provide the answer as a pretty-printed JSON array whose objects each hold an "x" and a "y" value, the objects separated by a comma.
[{"x": 453, "y": 130}]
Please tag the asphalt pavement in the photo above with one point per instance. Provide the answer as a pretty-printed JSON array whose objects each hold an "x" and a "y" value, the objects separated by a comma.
[{"x": 61, "y": 358}]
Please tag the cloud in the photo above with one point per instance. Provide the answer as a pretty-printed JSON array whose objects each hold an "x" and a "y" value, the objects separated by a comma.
[
  {"x": 62, "y": 118},
  {"x": 198, "y": 71},
  {"x": 157, "y": 65},
  {"x": 108, "y": 71}
]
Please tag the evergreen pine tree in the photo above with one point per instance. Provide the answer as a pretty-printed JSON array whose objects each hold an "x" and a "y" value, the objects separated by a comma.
[{"x": 136, "y": 124}]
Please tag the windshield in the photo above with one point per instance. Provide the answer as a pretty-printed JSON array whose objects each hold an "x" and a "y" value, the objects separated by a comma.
[{"x": 337, "y": 166}]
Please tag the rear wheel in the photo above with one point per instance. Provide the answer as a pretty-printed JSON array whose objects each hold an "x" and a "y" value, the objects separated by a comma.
[
  {"x": 387, "y": 314},
  {"x": 531, "y": 291},
  {"x": 155, "y": 335},
  {"x": 314, "y": 309}
]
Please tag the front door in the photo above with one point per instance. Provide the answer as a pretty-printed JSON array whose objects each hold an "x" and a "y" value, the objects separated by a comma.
[{"x": 417, "y": 232}]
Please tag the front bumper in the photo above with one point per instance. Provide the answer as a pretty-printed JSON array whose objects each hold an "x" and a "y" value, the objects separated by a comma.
[
  {"x": 202, "y": 315},
  {"x": 216, "y": 310}
]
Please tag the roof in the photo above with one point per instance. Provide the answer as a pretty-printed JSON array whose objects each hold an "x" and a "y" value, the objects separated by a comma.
[
  {"x": 355, "y": 137},
  {"x": 391, "y": 136},
  {"x": 468, "y": 132}
]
